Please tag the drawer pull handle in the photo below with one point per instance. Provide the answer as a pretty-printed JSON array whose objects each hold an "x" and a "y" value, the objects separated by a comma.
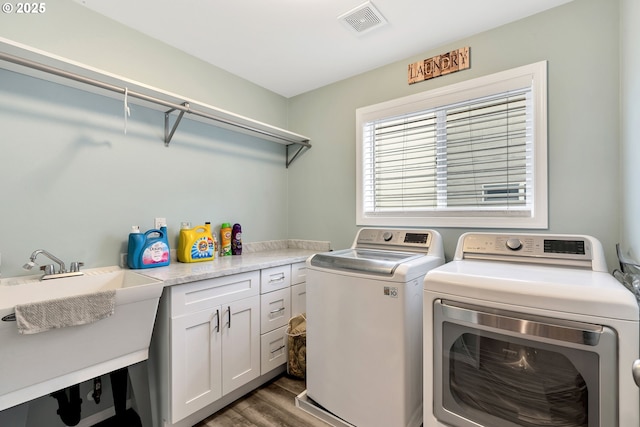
[
  {"x": 277, "y": 279},
  {"x": 277, "y": 310},
  {"x": 217, "y": 320},
  {"x": 278, "y": 349},
  {"x": 229, "y": 308}
]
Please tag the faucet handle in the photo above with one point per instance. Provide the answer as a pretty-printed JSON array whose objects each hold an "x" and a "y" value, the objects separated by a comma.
[
  {"x": 48, "y": 269},
  {"x": 75, "y": 266}
]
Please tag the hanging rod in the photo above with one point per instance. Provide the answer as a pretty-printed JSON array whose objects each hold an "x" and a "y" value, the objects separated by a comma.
[{"x": 184, "y": 108}]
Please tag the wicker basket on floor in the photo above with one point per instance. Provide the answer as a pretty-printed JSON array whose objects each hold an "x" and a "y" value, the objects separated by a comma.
[{"x": 297, "y": 344}]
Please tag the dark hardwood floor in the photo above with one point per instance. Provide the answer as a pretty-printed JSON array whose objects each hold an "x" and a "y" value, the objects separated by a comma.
[{"x": 271, "y": 405}]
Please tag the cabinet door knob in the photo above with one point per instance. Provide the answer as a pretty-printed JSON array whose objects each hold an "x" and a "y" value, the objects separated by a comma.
[{"x": 635, "y": 370}]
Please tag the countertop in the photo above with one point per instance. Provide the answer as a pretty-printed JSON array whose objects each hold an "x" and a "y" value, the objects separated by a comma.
[{"x": 255, "y": 256}]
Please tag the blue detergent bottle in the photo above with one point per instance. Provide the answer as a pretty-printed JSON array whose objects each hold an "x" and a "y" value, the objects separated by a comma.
[{"x": 150, "y": 249}]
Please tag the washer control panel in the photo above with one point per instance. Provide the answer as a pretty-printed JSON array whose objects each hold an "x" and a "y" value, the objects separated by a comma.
[
  {"x": 391, "y": 238},
  {"x": 561, "y": 247}
]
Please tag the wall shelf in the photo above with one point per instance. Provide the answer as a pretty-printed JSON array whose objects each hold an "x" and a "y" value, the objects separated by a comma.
[{"x": 36, "y": 63}]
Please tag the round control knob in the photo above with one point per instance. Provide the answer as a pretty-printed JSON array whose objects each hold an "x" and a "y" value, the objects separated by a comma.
[
  {"x": 387, "y": 235},
  {"x": 514, "y": 244}
]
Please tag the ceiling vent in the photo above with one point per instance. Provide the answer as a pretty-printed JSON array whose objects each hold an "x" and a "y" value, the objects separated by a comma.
[{"x": 362, "y": 19}]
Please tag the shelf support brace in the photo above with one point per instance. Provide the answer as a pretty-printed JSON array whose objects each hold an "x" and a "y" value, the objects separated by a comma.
[
  {"x": 290, "y": 160},
  {"x": 169, "y": 134}
]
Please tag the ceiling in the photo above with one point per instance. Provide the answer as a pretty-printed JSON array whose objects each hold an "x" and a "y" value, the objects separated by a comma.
[{"x": 294, "y": 46}]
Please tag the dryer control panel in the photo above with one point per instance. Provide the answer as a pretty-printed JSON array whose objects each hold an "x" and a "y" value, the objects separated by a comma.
[{"x": 571, "y": 250}]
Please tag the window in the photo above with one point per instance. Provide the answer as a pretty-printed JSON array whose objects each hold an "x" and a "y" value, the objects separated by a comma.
[{"x": 471, "y": 154}]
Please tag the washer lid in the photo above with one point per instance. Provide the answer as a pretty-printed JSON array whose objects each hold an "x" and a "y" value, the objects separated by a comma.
[{"x": 371, "y": 261}]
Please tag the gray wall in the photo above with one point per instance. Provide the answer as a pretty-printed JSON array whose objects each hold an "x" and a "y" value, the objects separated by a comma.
[
  {"x": 630, "y": 127},
  {"x": 73, "y": 183},
  {"x": 579, "y": 40},
  {"x": 53, "y": 142},
  {"x": 70, "y": 30}
]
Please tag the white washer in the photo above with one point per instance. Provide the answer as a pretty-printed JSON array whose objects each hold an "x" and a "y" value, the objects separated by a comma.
[
  {"x": 364, "y": 328},
  {"x": 529, "y": 330}
]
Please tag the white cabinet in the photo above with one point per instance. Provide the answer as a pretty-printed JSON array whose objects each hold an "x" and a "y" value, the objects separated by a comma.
[
  {"x": 298, "y": 288},
  {"x": 214, "y": 340},
  {"x": 275, "y": 302},
  {"x": 217, "y": 339}
]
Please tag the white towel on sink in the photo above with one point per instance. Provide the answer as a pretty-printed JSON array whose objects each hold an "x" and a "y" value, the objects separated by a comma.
[{"x": 42, "y": 316}]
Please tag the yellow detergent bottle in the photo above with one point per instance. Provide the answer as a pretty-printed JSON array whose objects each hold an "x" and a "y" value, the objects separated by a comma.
[{"x": 196, "y": 244}]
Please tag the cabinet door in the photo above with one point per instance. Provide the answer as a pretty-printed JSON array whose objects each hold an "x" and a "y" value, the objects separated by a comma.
[
  {"x": 196, "y": 363},
  {"x": 298, "y": 273},
  {"x": 240, "y": 343},
  {"x": 298, "y": 299}
]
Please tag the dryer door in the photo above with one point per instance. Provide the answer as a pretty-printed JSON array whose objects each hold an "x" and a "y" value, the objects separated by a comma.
[{"x": 505, "y": 369}]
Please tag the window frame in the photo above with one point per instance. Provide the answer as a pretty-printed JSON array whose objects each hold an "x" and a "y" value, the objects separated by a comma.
[{"x": 471, "y": 89}]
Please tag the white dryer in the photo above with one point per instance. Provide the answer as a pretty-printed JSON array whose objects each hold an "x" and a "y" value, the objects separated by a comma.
[
  {"x": 364, "y": 328},
  {"x": 529, "y": 330}
]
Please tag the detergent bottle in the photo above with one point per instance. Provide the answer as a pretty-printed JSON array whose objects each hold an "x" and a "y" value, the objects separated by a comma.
[
  {"x": 196, "y": 244},
  {"x": 236, "y": 239},
  {"x": 225, "y": 239},
  {"x": 150, "y": 249}
]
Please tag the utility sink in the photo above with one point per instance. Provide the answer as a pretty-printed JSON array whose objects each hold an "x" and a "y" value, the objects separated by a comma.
[{"x": 37, "y": 364}]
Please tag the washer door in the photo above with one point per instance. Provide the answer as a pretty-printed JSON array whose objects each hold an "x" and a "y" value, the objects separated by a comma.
[
  {"x": 504, "y": 369},
  {"x": 370, "y": 261}
]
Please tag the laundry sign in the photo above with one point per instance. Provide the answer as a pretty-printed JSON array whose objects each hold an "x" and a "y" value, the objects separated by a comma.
[{"x": 439, "y": 65}]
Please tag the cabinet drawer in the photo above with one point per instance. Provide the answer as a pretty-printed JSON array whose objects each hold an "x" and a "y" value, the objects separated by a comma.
[
  {"x": 273, "y": 349},
  {"x": 203, "y": 294},
  {"x": 275, "y": 309},
  {"x": 275, "y": 278},
  {"x": 298, "y": 273}
]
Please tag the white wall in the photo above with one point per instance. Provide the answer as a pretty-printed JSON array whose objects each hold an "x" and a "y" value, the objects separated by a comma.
[{"x": 580, "y": 42}]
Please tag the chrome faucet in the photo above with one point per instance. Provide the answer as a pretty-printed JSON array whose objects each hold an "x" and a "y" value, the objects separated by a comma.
[{"x": 49, "y": 270}]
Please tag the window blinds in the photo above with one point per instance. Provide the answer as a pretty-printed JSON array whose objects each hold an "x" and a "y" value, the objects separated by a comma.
[{"x": 470, "y": 157}]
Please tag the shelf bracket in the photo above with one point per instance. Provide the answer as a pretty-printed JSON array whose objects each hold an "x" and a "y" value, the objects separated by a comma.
[
  {"x": 290, "y": 160},
  {"x": 167, "y": 115}
]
